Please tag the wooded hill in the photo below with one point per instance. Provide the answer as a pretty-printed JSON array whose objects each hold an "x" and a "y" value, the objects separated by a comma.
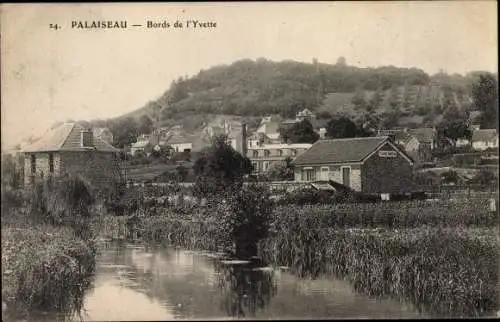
[{"x": 387, "y": 96}]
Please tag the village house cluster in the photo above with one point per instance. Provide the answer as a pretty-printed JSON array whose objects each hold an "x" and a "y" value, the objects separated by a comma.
[{"x": 383, "y": 162}]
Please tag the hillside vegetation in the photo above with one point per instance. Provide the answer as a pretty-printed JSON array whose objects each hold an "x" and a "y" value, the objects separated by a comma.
[{"x": 387, "y": 96}]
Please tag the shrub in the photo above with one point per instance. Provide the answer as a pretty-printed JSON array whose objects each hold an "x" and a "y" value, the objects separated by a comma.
[
  {"x": 50, "y": 278},
  {"x": 246, "y": 220},
  {"x": 62, "y": 202}
]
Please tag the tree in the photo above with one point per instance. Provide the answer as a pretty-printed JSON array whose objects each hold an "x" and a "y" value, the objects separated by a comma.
[
  {"x": 300, "y": 132},
  {"x": 341, "y": 61},
  {"x": 485, "y": 97},
  {"x": 359, "y": 99},
  {"x": 455, "y": 130},
  {"x": 220, "y": 168},
  {"x": 324, "y": 115},
  {"x": 341, "y": 128},
  {"x": 145, "y": 125},
  {"x": 282, "y": 172}
]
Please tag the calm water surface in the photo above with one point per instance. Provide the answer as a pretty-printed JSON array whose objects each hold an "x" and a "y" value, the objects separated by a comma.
[{"x": 138, "y": 283}]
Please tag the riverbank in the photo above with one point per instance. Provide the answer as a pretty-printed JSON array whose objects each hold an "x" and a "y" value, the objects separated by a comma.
[
  {"x": 440, "y": 255},
  {"x": 47, "y": 265},
  {"x": 45, "y": 268}
]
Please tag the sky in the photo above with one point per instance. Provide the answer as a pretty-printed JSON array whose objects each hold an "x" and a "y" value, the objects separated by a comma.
[{"x": 50, "y": 75}]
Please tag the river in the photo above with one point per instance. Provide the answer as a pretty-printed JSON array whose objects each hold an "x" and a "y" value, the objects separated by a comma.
[{"x": 142, "y": 283}]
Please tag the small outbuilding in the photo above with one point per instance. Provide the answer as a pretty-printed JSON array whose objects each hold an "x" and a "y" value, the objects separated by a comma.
[
  {"x": 368, "y": 164},
  {"x": 72, "y": 149}
]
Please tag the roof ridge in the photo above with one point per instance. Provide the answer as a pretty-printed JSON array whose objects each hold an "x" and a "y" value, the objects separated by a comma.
[{"x": 356, "y": 138}]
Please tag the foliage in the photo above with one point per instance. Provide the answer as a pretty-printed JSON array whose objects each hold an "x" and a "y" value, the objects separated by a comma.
[
  {"x": 485, "y": 97},
  {"x": 66, "y": 201},
  {"x": 246, "y": 219},
  {"x": 300, "y": 132},
  {"x": 252, "y": 88},
  {"x": 341, "y": 128},
  {"x": 441, "y": 270},
  {"x": 282, "y": 172},
  {"x": 220, "y": 168},
  {"x": 401, "y": 214},
  {"x": 454, "y": 130},
  {"x": 45, "y": 268},
  {"x": 12, "y": 171}
]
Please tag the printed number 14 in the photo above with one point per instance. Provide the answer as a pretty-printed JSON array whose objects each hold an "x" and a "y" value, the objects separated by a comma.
[{"x": 54, "y": 26}]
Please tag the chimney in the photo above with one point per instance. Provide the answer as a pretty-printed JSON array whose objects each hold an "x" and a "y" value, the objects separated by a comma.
[
  {"x": 244, "y": 142},
  {"x": 87, "y": 138}
]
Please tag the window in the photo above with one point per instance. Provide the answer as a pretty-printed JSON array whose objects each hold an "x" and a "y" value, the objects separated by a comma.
[
  {"x": 310, "y": 174},
  {"x": 33, "y": 163},
  {"x": 266, "y": 153},
  {"x": 51, "y": 163},
  {"x": 255, "y": 153},
  {"x": 294, "y": 152},
  {"x": 255, "y": 166},
  {"x": 280, "y": 153},
  {"x": 265, "y": 165}
]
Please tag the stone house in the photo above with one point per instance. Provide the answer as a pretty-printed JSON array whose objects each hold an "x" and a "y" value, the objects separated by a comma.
[
  {"x": 180, "y": 143},
  {"x": 143, "y": 146},
  {"x": 257, "y": 139},
  {"x": 368, "y": 164},
  {"x": 72, "y": 149},
  {"x": 265, "y": 156},
  {"x": 484, "y": 139}
]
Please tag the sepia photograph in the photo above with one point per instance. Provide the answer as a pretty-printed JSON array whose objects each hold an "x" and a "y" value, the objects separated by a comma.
[{"x": 249, "y": 160}]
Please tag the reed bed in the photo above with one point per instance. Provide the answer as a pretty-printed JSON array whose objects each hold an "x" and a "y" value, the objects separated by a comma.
[
  {"x": 167, "y": 226},
  {"x": 445, "y": 271},
  {"x": 45, "y": 268},
  {"x": 403, "y": 214}
]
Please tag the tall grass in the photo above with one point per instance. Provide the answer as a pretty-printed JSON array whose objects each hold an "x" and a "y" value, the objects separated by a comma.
[
  {"x": 48, "y": 248},
  {"x": 45, "y": 268},
  {"x": 447, "y": 271},
  {"x": 402, "y": 214}
]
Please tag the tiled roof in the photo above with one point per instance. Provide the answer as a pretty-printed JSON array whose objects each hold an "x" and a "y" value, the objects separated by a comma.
[
  {"x": 486, "y": 135},
  {"x": 340, "y": 150},
  {"x": 67, "y": 137}
]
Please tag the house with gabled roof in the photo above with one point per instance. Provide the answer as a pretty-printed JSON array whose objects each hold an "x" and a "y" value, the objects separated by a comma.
[
  {"x": 70, "y": 148},
  {"x": 368, "y": 164},
  {"x": 420, "y": 142},
  {"x": 485, "y": 139}
]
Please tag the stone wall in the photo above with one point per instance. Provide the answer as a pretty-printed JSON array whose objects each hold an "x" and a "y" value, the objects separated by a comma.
[
  {"x": 42, "y": 166},
  {"x": 386, "y": 174}
]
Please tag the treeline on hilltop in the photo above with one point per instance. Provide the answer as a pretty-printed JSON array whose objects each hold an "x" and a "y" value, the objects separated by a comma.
[
  {"x": 261, "y": 87},
  {"x": 383, "y": 96}
]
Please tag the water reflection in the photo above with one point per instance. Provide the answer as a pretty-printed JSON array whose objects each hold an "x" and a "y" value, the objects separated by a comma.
[
  {"x": 135, "y": 283},
  {"x": 245, "y": 288}
]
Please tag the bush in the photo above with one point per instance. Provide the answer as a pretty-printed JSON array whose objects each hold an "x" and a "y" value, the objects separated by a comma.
[
  {"x": 49, "y": 278},
  {"x": 65, "y": 201},
  {"x": 247, "y": 218}
]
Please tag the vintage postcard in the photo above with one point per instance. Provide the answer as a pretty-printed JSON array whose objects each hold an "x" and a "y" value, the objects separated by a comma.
[{"x": 249, "y": 160}]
